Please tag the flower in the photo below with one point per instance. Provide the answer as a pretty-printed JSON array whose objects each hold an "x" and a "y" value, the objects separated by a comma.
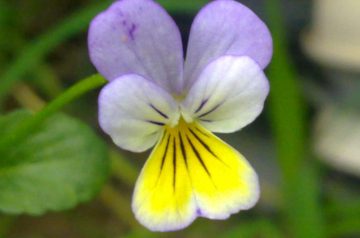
[{"x": 154, "y": 97}]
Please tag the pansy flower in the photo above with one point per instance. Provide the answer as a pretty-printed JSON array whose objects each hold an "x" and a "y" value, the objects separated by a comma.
[{"x": 156, "y": 98}]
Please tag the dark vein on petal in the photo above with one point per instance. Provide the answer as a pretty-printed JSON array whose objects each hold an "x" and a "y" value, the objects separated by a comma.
[
  {"x": 207, "y": 147},
  {"x": 162, "y": 137},
  {"x": 156, "y": 123},
  {"x": 158, "y": 111},
  {"x": 174, "y": 163},
  {"x": 201, "y": 132},
  {"x": 211, "y": 110},
  {"x": 198, "y": 156},
  {"x": 203, "y": 143},
  {"x": 206, "y": 120},
  {"x": 163, "y": 158},
  {"x": 164, "y": 155},
  {"x": 201, "y": 105},
  {"x": 183, "y": 152},
  {"x": 182, "y": 147}
]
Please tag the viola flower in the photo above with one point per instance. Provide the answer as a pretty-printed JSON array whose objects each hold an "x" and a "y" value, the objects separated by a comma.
[{"x": 154, "y": 97}]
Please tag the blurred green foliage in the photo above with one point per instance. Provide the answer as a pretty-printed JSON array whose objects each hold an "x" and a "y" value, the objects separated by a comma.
[
  {"x": 301, "y": 192},
  {"x": 57, "y": 166}
]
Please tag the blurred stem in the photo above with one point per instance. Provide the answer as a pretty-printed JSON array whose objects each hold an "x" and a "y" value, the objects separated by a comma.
[
  {"x": 344, "y": 228},
  {"x": 27, "y": 98},
  {"x": 5, "y": 224},
  {"x": 27, "y": 126},
  {"x": 345, "y": 213},
  {"x": 120, "y": 205},
  {"x": 48, "y": 82},
  {"x": 287, "y": 114},
  {"x": 259, "y": 228},
  {"x": 122, "y": 168},
  {"x": 343, "y": 209}
]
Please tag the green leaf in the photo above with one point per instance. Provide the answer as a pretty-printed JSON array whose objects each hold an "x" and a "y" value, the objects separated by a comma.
[{"x": 59, "y": 165}]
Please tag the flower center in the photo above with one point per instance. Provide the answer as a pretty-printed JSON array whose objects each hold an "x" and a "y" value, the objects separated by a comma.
[{"x": 180, "y": 125}]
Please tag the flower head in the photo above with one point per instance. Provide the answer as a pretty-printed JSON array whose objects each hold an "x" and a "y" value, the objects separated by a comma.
[{"x": 154, "y": 97}]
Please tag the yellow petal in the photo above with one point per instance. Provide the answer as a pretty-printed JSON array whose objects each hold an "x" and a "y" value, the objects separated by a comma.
[{"x": 192, "y": 173}]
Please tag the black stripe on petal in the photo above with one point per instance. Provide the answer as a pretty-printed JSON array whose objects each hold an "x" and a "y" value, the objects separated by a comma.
[
  {"x": 158, "y": 111},
  {"x": 201, "y": 132},
  {"x": 156, "y": 123},
  {"x": 201, "y": 105},
  {"x": 182, "y": 147},
  {"x": 198, "y": 156},
  {"x": 205, "y": 120},
  {"x": 162, "y": 137},
  {"x": 207, "y": 147},
  {"x": 211, "y": 110},
  {"x": 164, "y": 155},
  {"x": 174, "y": 162},
  {"x": 203, "y": 143}
]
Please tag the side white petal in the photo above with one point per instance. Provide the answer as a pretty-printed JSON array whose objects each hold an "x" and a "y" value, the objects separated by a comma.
[
  {"x": 228, "y": 95},
  {"x": 133, "y": 110}
]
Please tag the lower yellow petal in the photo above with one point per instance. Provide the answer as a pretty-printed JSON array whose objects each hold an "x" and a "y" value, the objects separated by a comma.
[
  {"x": 192, "y": 173},
  {"x": 223, "y": 181},
  {"x": 163, "y": 198}
]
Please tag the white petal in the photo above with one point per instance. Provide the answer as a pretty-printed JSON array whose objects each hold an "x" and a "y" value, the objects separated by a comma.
[
  {"x": 228, "y": 95},
  {"x": 133, "y": 110}
]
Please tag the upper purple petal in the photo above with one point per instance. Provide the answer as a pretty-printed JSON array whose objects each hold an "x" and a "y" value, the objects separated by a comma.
[
  {"x": 225, "y": 27},
  {"x": 137, "y": 36}
]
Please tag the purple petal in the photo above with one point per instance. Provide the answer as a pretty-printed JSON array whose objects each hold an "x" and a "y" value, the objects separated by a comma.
[
  {"x": 225, "y": 27},
  {"x": 137, "y": 36}
]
